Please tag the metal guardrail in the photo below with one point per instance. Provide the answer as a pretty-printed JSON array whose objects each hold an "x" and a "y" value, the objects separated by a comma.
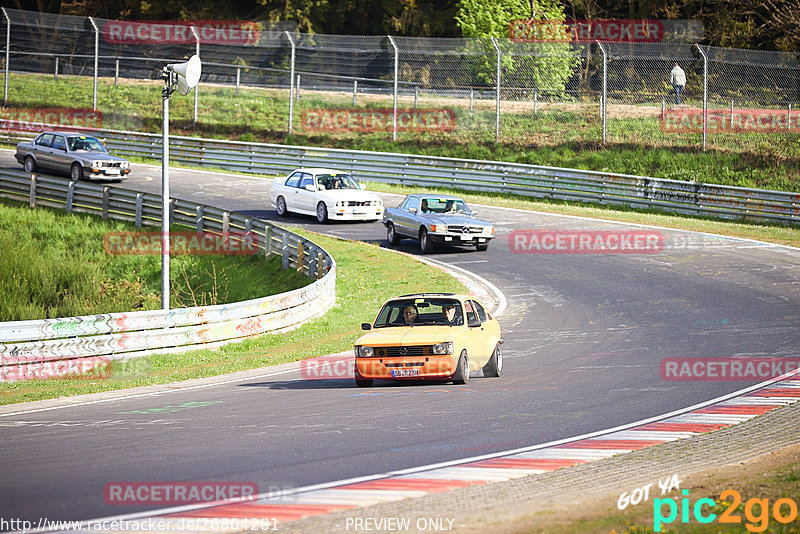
[
  {"x": 642, "y": 192},
  {"x": 124, "y": 335}
]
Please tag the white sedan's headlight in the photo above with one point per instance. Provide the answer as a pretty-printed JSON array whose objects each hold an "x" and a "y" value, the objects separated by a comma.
[
  {"x": 125, "y": 164},
  {"x": 339, "y": 203},
  {"x": 364, "y": 352},
  {"x": 443, "y": 348}
]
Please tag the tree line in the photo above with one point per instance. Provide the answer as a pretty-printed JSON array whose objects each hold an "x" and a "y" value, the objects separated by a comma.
[{"x": 755, "y": 24}]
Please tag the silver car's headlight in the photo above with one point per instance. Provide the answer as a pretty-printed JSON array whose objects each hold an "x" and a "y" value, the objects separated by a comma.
[
  {"x": 95, "y": 164},
  {"x": 364, "y": 352},
  {"x": 443, "y": 348}
]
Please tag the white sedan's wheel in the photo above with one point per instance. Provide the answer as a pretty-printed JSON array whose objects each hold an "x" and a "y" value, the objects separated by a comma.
[
  {"x": 280, "y": 207},
  {"x": 322, "y": 212}
]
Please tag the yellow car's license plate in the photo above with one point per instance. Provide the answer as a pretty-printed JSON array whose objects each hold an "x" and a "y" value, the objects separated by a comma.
[{"x": 400, "y": 373}]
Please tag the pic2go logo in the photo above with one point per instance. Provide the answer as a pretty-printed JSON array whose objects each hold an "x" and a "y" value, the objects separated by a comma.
[{"x": 756, "y": 511}]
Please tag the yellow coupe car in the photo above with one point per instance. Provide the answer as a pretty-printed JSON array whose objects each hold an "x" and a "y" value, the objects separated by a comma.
[{"x": 434, "y": 336}]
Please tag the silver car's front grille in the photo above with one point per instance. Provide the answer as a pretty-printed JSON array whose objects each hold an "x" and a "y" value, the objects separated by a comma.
[
  {"x": 458, "y": 229},
  {"x": 111, "y": 163}
]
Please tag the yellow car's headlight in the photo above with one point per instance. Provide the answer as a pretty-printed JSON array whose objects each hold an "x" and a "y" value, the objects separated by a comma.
[
  {"x": 443, "y": 348},
  {"x": 364, "y": 352}
]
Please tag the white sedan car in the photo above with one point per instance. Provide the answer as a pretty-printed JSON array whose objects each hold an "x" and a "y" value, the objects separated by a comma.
[{"x": 327, "y": 194}]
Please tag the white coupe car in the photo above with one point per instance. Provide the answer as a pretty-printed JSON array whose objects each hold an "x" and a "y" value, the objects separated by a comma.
[{"x": 327, "y": 194}]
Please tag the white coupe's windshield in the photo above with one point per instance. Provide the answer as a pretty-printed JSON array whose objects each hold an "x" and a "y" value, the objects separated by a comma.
[
  {"x": 337, "y": 181},
  {"x": 420, "y": 311},
  {"x": 83, "y": 142}
]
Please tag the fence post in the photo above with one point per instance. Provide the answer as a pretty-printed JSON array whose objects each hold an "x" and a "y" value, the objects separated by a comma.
[
  {"x": 96, "y": 61},
  {"x": 394, "y": 91},
  {"x": 55, "y": 70},
  {"x": 731, "y": 114},
  {"x": 705, "y": 94},
  {"x": 285, "y": 250},
  {"x": 196, "y": 87},
  {"x": 116, "y": 71},
  {"x": 497, "y": 75},
  {"x": 604, "y": 96},
  {"x": 70, "y": 196},
  {"x": 198, "y": 219},
  {"x": 238, "y": 74},
  {"x": 471, "y": 99},
  {"x": 8, "y": 55},
  {"x": 138, "y": 218},
  {"x": 355, "y": 91},
  {"x": 106, "y": 193},
  {"x": 267, "y": 240},
  {"x": 416, "y": 96},
  {"x": 291, "y": 81},
  {"x": 32, "y": 198}
]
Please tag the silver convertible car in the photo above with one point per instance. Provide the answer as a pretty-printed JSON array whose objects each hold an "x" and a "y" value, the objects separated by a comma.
[
  {"x": 79, "y": 155},
  {"x": 435, "y": 220}
]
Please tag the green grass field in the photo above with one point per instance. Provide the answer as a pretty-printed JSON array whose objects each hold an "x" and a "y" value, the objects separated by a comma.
[{"x": 561, "y": 135}]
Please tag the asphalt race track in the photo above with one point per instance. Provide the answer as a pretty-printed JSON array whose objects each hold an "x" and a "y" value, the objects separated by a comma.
[{"x": 584, "y": 338}]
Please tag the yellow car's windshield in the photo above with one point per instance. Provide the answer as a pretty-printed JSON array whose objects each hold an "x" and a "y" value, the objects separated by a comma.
[{"x": 420, "y": 312}]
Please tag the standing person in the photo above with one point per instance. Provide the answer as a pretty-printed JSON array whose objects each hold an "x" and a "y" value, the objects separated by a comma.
[{"x": 677, "y": 78}]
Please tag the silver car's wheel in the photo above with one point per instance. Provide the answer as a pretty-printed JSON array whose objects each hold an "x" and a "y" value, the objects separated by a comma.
[
  {"x": 76, "y": 172},
  {"x": 425, "y": 242},
  {"x": 391, "y": 235},
  {"x": 30, "y": 164},
  {"x": 280, "y": 207},
  {"x": 322, "y": 212}
]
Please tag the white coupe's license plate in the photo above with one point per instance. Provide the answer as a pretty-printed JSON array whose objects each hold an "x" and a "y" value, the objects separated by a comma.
[
  {"x": 400, "y": 373},
  {"x": 359, "y": 212}
]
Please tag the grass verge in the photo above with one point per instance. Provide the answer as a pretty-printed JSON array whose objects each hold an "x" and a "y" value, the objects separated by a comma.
[
  {"x": 56, "y": 266},
  {"x": 366, "y": 276}
]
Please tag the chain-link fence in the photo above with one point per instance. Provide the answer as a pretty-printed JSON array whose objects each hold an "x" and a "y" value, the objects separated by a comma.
[{"x": 400, "y": 87}]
